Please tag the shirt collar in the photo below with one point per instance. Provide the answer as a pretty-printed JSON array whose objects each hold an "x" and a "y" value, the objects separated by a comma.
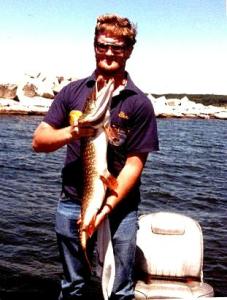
[{"x": 130, "y": 86}]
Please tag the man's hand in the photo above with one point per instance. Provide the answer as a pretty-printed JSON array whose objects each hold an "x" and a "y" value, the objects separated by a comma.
[{"x": 79, "y": 130}]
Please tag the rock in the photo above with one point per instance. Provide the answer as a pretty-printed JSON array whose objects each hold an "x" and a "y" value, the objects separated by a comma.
[
  {"x": 31, "y": 106},
  {"x": 58, "y": 86},
  {"x": 36, "y": 101},
  {"x": 37, "y": 85},
  {"x": 36, "y": 92},
  {"x": 221, "y": 115},
  {"x": 7, "y": 102},
  {"x": 45, "y": 89},
  {"x": 30, "y": 90},
  {"x": 62, "y": 81},
  {"x": 8, "y": 91},
  {"x": 178, "y": 108}
]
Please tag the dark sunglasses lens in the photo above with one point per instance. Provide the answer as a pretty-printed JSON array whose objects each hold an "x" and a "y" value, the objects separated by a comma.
[
  {"x": 117, "y": 48},
  {"x": 105, "y": 47},
  {"x": 102, "y": 46}
]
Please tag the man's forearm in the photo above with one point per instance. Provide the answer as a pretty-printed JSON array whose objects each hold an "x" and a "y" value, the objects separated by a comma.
[
  {"x": 48, "y": 139},
  {"x": 127, "y": 178}
]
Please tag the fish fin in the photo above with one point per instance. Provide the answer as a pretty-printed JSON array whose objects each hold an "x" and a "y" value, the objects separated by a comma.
[
  {"x": 83, "y": 243},
  {"x": 112, "y": 134},
  {"x": 88, "y": 234},
  {"x": 91, "y": 227},
  {"x": 110, "y": 181},
  {"x": 88, "y": 261},
  {"x": 90, "y": 230},
  {"x": 78, "y": 222}
]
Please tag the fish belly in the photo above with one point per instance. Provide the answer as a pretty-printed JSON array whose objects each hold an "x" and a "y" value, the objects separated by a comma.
[{"x": 95, "y": 165}]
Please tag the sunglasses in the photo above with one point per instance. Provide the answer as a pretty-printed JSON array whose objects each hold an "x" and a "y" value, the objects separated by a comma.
[{"x": 116, "y": 49}]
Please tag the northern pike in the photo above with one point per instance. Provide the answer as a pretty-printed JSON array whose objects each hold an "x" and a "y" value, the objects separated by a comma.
[{"x": 96, "y": 176}]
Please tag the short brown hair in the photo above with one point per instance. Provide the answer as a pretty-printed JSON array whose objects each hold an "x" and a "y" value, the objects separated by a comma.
[{"x": 117, "y": 25}]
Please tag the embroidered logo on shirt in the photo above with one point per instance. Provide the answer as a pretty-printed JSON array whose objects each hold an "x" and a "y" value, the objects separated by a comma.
[
  {"x": 122, "y": 115},
  {"x": 116, "y": 135}
]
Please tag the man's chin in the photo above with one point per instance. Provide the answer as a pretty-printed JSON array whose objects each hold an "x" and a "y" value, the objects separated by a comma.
[{"x": 110, "y": 72}]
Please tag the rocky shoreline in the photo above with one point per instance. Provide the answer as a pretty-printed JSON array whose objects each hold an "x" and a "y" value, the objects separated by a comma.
[
  {"x": 185, "y": 108},
  {"x": 34, "y": 94}
]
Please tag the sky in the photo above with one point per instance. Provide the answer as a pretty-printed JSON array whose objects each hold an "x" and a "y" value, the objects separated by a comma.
[{"x": 181, "y": 44}]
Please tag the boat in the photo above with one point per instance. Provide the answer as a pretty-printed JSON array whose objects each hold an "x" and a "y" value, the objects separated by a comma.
[{"x": 169, "y": 258}]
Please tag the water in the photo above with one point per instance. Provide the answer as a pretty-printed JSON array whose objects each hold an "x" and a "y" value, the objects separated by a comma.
[{"x": 188, "y": 176}]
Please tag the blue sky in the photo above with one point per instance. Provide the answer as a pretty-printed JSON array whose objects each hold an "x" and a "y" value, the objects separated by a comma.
[{"x": 182, "y": 45}]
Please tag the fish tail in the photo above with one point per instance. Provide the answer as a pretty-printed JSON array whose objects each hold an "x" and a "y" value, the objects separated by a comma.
[
  {"x": 88, "y": 261},
  {"x": 83, "y": 239}
]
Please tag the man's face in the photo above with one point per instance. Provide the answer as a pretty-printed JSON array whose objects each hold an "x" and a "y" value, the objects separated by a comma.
[{"x": 111, "y": 55}]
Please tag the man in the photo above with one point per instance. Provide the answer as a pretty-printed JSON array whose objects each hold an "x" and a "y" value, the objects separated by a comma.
[{"x": 134, "y": 127}]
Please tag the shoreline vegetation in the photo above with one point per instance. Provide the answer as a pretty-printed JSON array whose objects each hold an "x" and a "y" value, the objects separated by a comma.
[{"x": 34, "y": 94}]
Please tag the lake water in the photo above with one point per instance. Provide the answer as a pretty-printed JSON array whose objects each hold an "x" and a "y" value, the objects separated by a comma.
[{"x": 188, "y": 175}]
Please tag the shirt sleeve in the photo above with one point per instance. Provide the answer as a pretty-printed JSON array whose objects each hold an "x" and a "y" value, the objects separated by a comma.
[
  {"x": 143, "y": 136},
  {"x": 57, "y": 115}
]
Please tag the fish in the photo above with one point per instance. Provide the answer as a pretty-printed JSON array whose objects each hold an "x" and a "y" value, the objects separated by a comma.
[
  {"x": 96, "y": 180},
  {"x": 96, "y": 177}
]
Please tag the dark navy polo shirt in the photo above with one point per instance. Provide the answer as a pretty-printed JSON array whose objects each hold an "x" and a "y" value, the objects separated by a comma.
[{"x": 132, "y": 116}]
